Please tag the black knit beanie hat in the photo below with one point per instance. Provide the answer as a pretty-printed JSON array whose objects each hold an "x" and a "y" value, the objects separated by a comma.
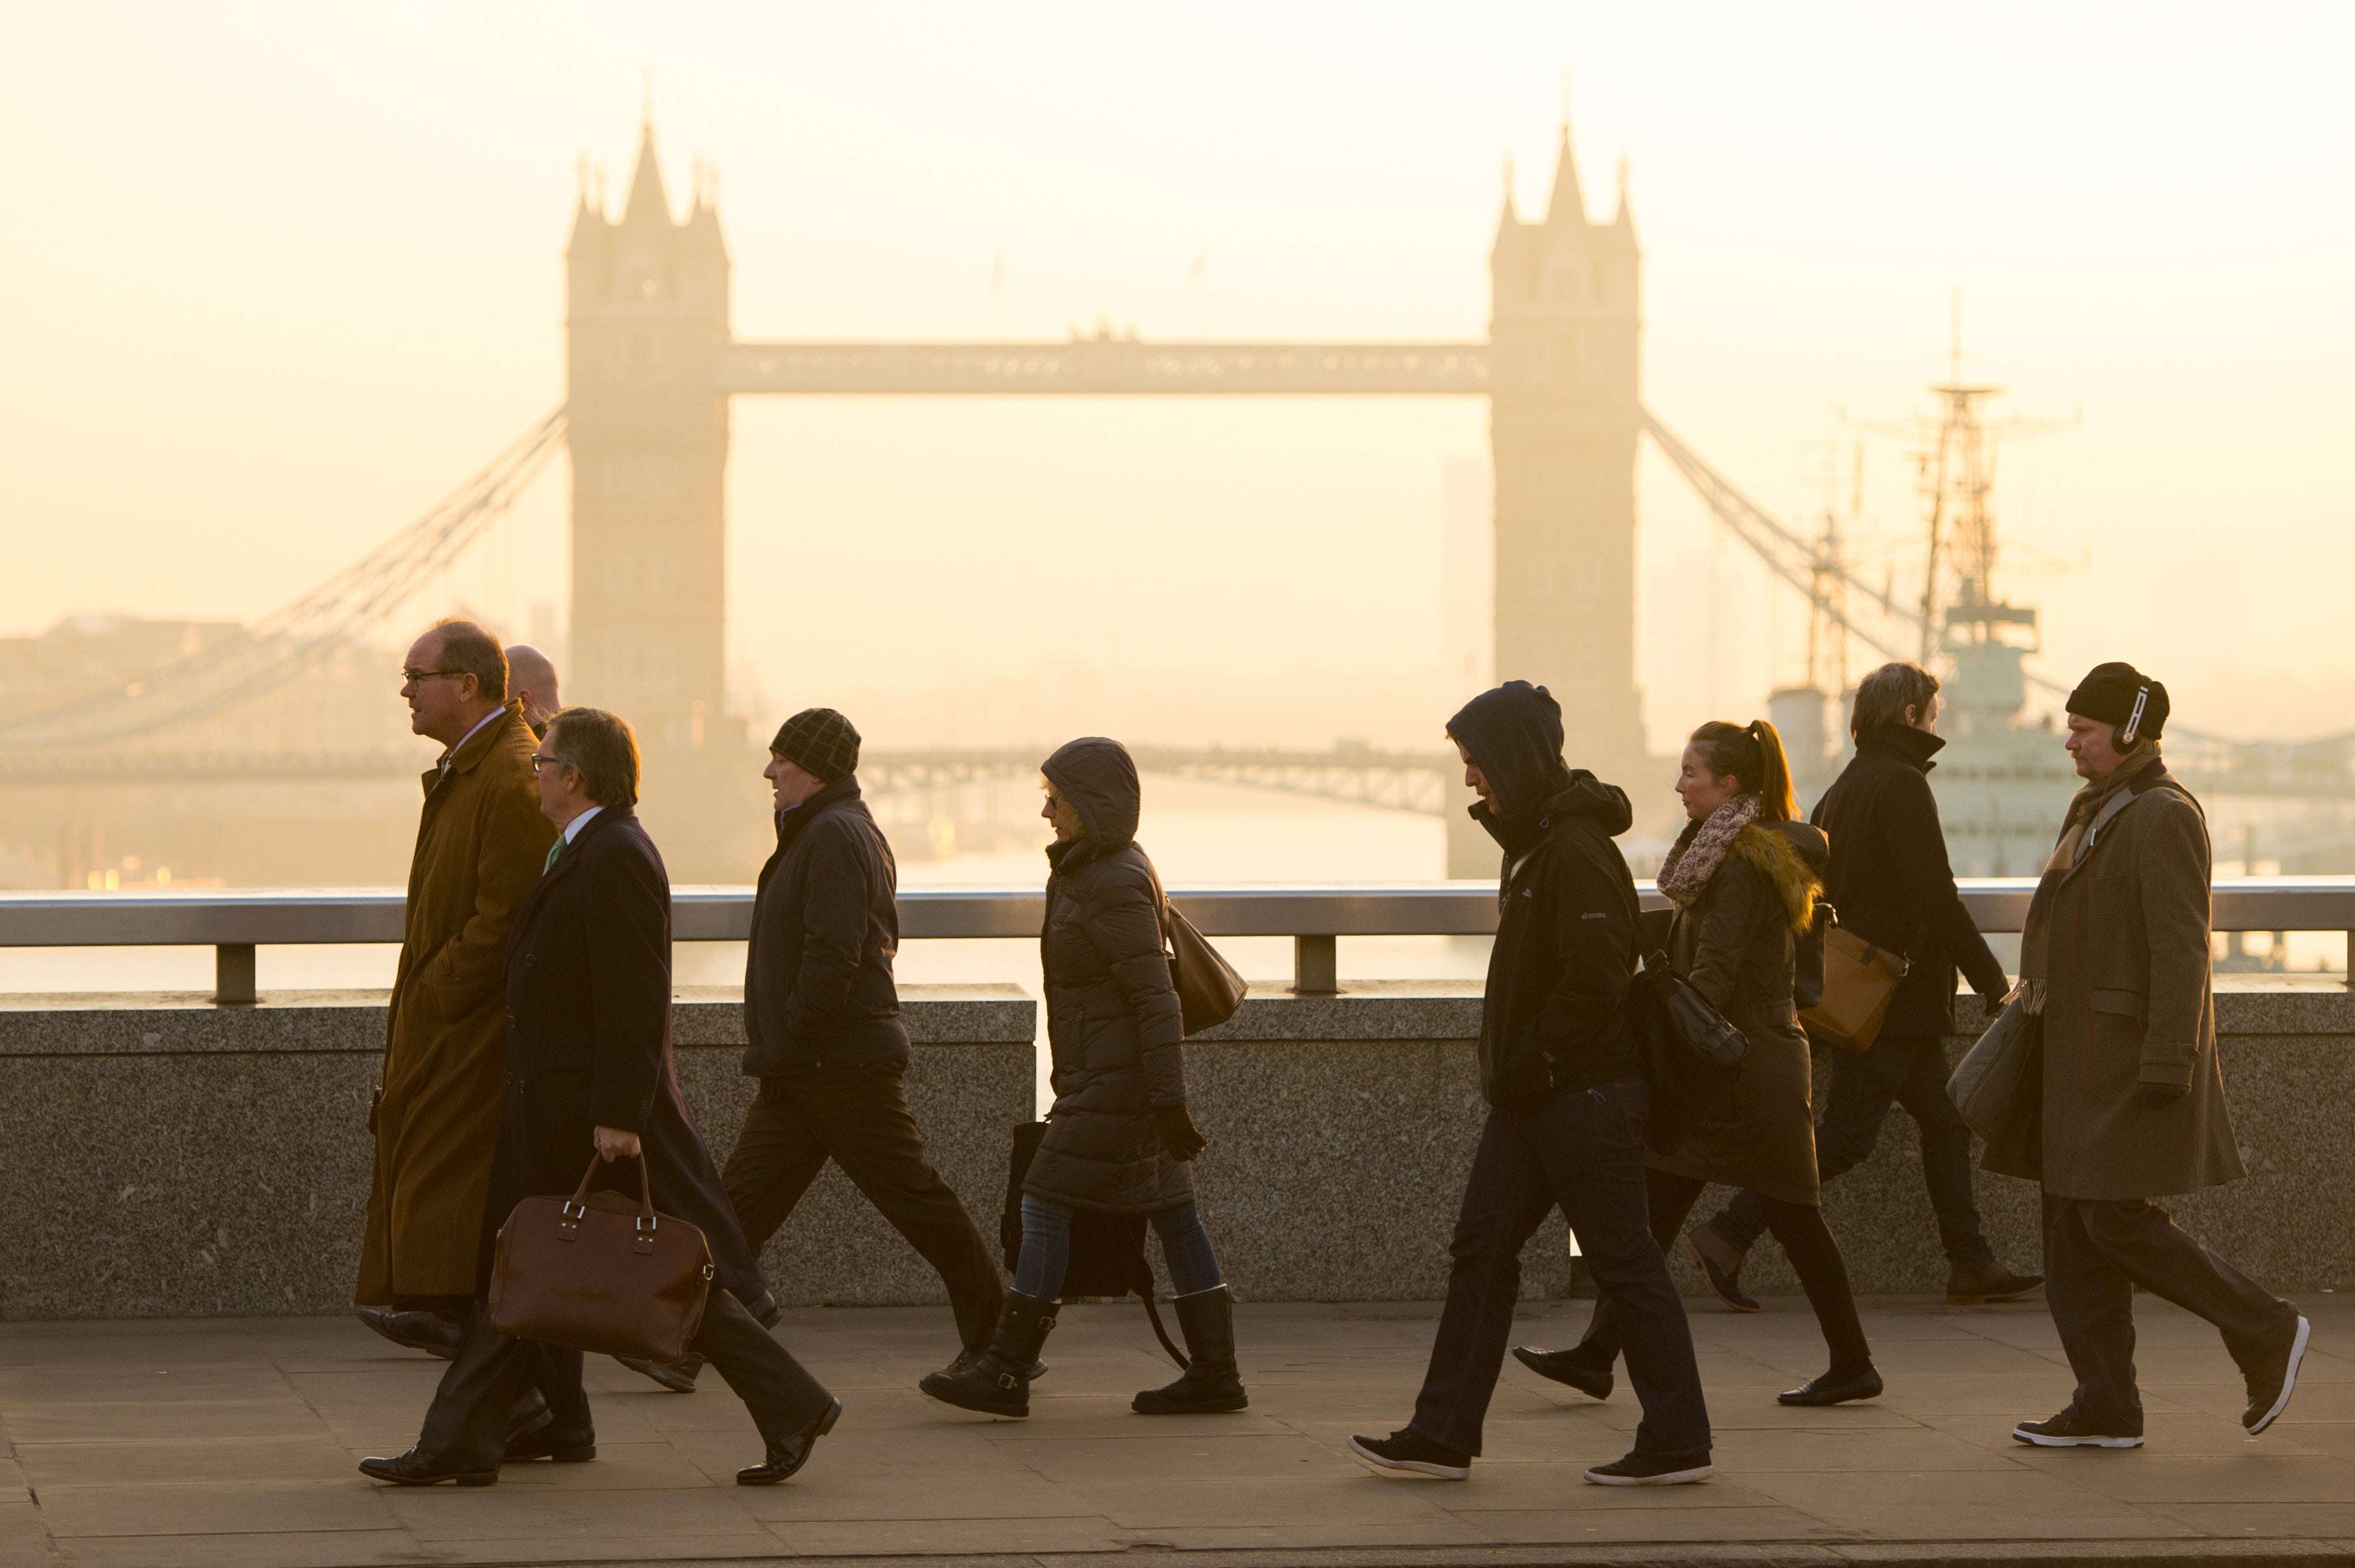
[
  {"x": 2108, "y": 693},
  {"x": 820, "y": 741}
]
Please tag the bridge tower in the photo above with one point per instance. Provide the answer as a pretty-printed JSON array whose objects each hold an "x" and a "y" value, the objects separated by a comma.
[
  {"x": 647, "y": 317},
  {"x": 1563, "y": 418}
]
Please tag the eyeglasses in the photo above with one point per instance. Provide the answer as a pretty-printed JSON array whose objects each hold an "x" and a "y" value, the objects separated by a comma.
[
  {"x": 537, "y": 760},
  {"x": 411, "y": 677},
  {"x": 1055, "y": 802}
]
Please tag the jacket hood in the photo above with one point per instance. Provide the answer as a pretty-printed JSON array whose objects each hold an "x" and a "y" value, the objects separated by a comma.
[
  {"x": 1514, "y": 734},
  {"x": 1915, "y": 747},
  {"x": 1792, "y": 854},
  {"x": 1099, "y": 777},
  {"x": 1581, "y": 795}
]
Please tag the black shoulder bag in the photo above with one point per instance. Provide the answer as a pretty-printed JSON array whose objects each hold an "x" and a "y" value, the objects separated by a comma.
[
  {"x": 1692, "y": 1053},
  {"x": 1107, "y": 1250}
]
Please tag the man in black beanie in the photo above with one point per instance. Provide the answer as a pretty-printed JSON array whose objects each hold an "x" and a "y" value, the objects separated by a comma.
[
  {"x": 1562, "y": 1074},
  {"x": 822, "y": 1016},
  {"x": 2114, "y": 965}
]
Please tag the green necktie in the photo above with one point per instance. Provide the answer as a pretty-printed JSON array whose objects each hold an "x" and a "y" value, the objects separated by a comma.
[{"x": 553, "y": 852}]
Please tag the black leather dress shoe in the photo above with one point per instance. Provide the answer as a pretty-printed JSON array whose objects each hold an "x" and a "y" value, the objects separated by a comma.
[
  {"x": 677, "y": 1376},
  {"x": 783, "y": 1459},
  {"x": 428, "y": 1332},
  {"x": 416, "y": 1469},
  {"x": 1834, "y": 1388},
  {"x": 1565, "y": 1367},
  {"x": 547, "y": 1441}
]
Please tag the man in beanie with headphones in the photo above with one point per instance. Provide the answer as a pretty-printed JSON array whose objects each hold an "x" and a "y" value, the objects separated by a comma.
[
  {"x": 2114, "y": 965},
  {"x": 827, "y": 1042}
]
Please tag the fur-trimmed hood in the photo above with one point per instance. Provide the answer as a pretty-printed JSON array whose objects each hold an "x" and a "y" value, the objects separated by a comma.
[{"x": 1792, "y": 856}]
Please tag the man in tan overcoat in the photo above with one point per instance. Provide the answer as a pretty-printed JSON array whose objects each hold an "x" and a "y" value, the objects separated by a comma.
[
  {"x": 2115, "y": 962},
  {"x": 481, "y": 845}
]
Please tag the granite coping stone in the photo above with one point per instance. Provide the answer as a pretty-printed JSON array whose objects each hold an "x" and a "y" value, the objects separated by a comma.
[
  {"x": 337, "y": 1022},
  {"x": 81, "y": 1023}
]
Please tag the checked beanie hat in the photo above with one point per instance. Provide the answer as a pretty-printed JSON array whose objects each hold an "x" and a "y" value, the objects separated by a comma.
[{"x": 821, "y": 742}]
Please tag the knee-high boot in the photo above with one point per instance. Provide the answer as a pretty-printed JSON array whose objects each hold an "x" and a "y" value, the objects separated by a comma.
[
  {"x": 999, "y": 1383},
  {"x": 1211, "y": 1384}
]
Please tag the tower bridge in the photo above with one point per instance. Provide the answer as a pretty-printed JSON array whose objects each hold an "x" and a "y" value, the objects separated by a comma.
[{"x": 654, "y": 362}]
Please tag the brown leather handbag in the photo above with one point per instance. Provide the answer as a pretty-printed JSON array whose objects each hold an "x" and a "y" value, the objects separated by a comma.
[
  {"x": 595, "y": 1272},
  {"x": 1860, "y": 981},
  {"x": 1208, "y": 990}
]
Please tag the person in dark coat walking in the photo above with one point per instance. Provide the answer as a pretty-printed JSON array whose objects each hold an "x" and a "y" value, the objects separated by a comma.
[
  {"x": 2114, "y": 966},
  {"x": 1890, "y": 881},
  {"x": 827, "y": 1042},
  {"x": 589, "y": 1078},
  {"x": 1743, "y": 876},
  {"x": 1562, "y": 1074},
  {"x": 1119, "y": 1136}
]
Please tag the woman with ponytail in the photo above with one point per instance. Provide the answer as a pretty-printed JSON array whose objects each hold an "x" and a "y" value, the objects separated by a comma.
[{"x": 1743, "y": 876}]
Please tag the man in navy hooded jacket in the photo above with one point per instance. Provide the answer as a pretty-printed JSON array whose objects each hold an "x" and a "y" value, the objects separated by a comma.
[{"x": 1561, "y": 1072}]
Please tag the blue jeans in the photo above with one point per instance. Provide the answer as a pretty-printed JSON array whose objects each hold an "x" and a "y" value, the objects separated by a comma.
[
  {"x": 1584, "y": 1151},
  {"x": 1047, "y": 1250}
]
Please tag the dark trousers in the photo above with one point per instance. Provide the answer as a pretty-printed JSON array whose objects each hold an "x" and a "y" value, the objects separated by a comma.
[
  {"x": 2095, "y": 1252},
  {"x": 1815, "y": 1258},
  {"x": 1584, "y": 1152},
  {"x": 1903, "y": 1069},
  {"x": 467, "y": 1421},
  {"x": 857, "y": 1115}
]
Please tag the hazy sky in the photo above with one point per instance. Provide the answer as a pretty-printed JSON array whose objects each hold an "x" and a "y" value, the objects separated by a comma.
[{"x": 279, "y": 275}]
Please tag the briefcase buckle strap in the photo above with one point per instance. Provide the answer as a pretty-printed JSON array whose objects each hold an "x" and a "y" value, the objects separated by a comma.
[
  {"x": 568, "y": 1218},
  {"x": 644, "y": 1241}
]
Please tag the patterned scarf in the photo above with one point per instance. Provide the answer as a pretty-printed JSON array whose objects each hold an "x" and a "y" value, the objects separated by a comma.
[
  {"x": 1702, "y": 847},
  {"x": 2083, "y": 807}
]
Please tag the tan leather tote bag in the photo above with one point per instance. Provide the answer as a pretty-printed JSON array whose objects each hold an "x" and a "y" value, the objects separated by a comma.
[
  {"x": 1860, "y": 981},
  {"x": 595, "y": 1272}
]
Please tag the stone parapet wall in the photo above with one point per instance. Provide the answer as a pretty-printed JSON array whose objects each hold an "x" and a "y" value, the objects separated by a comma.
[{"x": 163, "y": 1157}]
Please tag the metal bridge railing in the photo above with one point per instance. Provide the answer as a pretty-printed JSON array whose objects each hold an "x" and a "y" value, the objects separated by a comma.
[{"x": 234, "y": 922}]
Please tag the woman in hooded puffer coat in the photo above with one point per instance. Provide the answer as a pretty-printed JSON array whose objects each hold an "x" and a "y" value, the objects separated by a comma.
[
  {"x": 1119, "y": 1136},
  {"x": 1743, "y": 876}
]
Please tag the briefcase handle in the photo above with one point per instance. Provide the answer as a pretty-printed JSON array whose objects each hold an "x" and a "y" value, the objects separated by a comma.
[{"x": 575, "y": 1209}]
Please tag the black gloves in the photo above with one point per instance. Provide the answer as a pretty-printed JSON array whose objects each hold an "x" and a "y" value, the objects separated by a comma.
[
  {"x": 2158, "y": 1096},
  {"x": 1179, "y": 1135}
]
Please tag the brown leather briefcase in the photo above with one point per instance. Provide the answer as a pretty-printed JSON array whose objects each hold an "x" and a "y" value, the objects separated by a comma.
[
  {"x": 1859, "y": 982},
  {"x": 595, "y": 1272}
]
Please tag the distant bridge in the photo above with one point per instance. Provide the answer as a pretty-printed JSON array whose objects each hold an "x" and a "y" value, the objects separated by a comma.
[
  {"x": 1363, "y": 776},
  {"x": 1422, "y": 783}
]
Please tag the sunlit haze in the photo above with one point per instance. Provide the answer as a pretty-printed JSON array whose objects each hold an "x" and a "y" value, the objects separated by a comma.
[{"x": 281, "y": 275}]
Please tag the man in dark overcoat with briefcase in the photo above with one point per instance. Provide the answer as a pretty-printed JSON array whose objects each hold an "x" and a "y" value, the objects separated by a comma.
[{"x": 589, "y": 1077}]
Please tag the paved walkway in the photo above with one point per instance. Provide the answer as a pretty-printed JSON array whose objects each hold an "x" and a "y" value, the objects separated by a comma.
[{"x": 232, "y": 1442}]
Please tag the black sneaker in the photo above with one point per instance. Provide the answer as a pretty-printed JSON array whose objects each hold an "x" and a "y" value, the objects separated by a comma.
[
  {"x": 1562, "y": 1366},
  {"x": 1404, "y": 1451},
  {"x": 1721, "y": 1264},
  {"x": 1652, "y": 1470},
  {"x": 2274, "y": 1379},
  {"x": 2070, "y": 1430}
]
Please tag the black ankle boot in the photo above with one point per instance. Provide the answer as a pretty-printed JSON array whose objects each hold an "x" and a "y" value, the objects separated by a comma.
[
  {"x": 1207, "y": 1319},
  {"x": 999, "y": 1383}
]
